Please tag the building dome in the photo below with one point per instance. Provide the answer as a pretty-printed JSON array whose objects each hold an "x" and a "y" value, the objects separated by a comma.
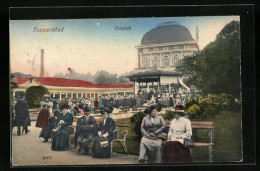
[{"x": 166, "y": 33}]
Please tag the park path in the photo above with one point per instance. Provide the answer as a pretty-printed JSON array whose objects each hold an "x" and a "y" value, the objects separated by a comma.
[{"x": 28, "y": 150}]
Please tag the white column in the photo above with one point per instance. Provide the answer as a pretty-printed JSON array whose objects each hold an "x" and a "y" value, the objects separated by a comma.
[{"x": 160, "y": 60}]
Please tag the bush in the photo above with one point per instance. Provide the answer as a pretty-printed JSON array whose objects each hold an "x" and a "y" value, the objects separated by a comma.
[
  {"x": 194, "y": 112},
  {"x": 34, "y": 95},
  {"x": 189, "y": 103},
  {"x": 136, "y": 121},
  {"x": 221, "y": 101},
  {"x": 168, "y": 115}
]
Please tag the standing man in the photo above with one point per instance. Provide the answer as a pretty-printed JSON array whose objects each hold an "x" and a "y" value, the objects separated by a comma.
[{"x": 22, "y": 117}]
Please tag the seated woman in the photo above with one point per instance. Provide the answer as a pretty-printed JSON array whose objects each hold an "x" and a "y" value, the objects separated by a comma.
[
  {"x": 105, "y": 135},
  {"x": 180, "y": 131},
  {"x": 52, "y": 123},
  {"x": 151, "y": 147},
  {"x": 86, "y": 131},
  {"x": 60, "y": 136}
]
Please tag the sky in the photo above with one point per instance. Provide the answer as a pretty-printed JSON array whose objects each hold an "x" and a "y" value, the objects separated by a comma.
[{"x": 90, "y": 45}]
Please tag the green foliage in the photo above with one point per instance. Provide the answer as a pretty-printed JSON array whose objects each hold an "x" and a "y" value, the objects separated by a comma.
[
  {"x": 168, "y": 115},
  {"x": 194, "y": 112},
  {"x": 207, "y": 106},
  {"x": 103, "y": 77},
  {"x": 216, "y": 68},
  {"x": 136, "y": 121},
  {"x": 189, "y": 103},
  {"x": 34, "y": 95}
]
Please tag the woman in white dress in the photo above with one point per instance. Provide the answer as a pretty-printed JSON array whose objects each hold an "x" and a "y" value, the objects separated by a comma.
[{"x": 179, "y": 132}]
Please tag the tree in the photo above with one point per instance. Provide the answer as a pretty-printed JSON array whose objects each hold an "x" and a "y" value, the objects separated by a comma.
[
  {"x": 104, "y": 77},
  {"x": 34, "y": 95},
  {"x": 216, "y": 69}
]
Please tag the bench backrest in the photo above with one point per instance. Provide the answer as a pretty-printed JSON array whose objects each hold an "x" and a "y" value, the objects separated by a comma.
[
  {"x": 118, "y": 123},
  {"x": 196, "y": 124}
]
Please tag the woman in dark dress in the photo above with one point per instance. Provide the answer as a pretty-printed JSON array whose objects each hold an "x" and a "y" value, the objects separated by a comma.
[
  {"x": 42, "y": 119},
  {"x": 52, "y": 123},
  {"x": 151, "y": 147},
  {"x": 105, "y": 135},
  {"x": 60, "y": 136}
]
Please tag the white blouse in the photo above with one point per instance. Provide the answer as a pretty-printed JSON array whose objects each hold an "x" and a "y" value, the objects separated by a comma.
[{"x": 180, "y": 127}]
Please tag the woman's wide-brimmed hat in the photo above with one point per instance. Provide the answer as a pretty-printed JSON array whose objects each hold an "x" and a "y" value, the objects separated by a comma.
[
  {"x": 149, "y": 109},
  {"x": 179, "y": 109},
  {"x": 64, "y": 106},
  {"x": 107, "y": 110},
  {"x": 46, "y": 96}
]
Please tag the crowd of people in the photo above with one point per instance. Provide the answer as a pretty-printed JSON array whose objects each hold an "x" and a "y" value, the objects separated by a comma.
[
  {"x": 163, "y": 97},
  {"x": 56, "y": 118}
]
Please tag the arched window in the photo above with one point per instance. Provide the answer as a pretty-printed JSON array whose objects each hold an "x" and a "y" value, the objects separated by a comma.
[
  {"x": 176, "y": 59},
  {"x": 156, "y": 62},
  {"x": 146, "y": 62},
  {"x": 166, "y": 61}
]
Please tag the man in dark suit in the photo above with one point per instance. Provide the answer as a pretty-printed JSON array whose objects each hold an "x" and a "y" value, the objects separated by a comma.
[
  {"x": 86, "y": 131},
  {"x": 22, "y": 117},
  {"x": 105, "y": 134}
]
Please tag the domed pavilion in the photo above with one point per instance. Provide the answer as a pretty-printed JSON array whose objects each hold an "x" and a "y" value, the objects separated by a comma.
[{"x": 160, "y": 51}]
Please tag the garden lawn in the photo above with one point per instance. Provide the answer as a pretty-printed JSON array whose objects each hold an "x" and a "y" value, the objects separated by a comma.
[{"x": 227, "y": 139}]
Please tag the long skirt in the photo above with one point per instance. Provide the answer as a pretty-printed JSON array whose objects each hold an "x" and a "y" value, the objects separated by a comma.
[
  {"x": 176, "y": 152},
  {"x": 46, "y": 132},
  {"x": 151, "y": 150},
  {"x": 101, "y": 152},
  {"x": 60, "y": 141}
]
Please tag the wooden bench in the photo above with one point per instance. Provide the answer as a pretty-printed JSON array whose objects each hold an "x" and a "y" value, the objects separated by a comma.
[
  {"x": 194, "y": 125},
  {"x": 202, "y": 125},
  {"x": 124, "y": 108},
  {"x": 122, "y": 141}
]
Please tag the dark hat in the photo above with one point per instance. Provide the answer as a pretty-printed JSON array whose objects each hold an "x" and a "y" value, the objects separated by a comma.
[
  {"x": 65, "y": 106},
  {"x": 107, "y": 109},
  {"x": 149, "y": 109}
]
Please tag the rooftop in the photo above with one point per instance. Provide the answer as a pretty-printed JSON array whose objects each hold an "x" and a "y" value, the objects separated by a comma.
[
  {"x": 166, "y": 33},
  {"x": 62, "y": 82}
]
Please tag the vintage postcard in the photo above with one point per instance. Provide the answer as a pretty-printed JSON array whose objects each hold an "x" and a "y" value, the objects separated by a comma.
[{"x": 161, "y": 90}]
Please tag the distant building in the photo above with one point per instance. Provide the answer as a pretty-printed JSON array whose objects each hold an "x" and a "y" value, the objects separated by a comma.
[
  {"x": 68, "y": 88},
  {"x": 159, "y": 53}
]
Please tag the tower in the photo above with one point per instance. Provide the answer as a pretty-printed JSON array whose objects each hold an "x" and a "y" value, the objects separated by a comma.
[
  {"x": 197, "y": 34},
  {"x": 42, "y": 63}
]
